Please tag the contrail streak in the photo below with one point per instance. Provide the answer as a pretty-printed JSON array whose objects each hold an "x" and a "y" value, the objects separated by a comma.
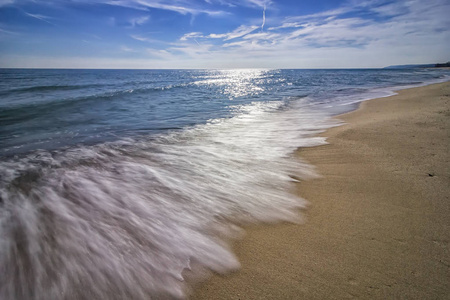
[{"x": 264, "y": 18}]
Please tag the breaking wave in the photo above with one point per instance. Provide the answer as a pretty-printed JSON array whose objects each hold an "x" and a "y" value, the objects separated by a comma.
[{"x": 125, "y": 219}]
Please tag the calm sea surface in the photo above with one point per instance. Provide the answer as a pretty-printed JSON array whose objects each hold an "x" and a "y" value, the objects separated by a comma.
[{"x": 112, "y": 182}]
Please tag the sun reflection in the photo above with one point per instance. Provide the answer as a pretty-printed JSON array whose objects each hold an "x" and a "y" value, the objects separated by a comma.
[{"x": 236, "y": 83}]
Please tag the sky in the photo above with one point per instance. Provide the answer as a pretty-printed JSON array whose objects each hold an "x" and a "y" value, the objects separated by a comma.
[{"x": 157, "y": 34}]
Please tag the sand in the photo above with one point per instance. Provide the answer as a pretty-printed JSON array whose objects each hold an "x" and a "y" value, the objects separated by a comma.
[{"x": 378, "y": 225}]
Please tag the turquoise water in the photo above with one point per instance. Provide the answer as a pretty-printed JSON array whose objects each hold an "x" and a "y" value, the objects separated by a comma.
[{"x": 112, "y": 182}]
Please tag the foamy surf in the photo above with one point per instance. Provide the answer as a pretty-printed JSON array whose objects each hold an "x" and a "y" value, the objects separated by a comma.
[{"x": 123, "y": 220}]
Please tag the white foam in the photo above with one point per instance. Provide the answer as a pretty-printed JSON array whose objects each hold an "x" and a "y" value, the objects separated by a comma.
[{"x": 124, "y": 219}]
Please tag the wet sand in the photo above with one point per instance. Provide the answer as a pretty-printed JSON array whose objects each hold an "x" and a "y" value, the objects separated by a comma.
[{"x": 378, "y": 224}]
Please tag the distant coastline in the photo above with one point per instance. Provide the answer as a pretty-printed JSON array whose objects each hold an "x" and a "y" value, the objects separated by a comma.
[{"x": 436, "y": 65}]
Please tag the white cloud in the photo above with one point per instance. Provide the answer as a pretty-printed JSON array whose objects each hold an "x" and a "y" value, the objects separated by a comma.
[
  {"x": 286, "y": 25},
  {"x": 139, "y": 38},
  {"x": 139, "y": 20},
  {"x": 413, "y": 32},
  {"x": 260, "y": 3},
  {"x": 147, "y": 39},
  {"x": 235, "y": 44},
  {"x": 264, "y": 18},
  {"x": 176, "y": 6},
  {"x": 247, "y": 3},
  {"x": 237, "y": 33},
  {"x": 191, "y": 35}
]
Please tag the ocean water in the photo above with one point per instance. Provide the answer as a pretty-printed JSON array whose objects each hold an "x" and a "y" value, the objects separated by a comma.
[{"x": 114, "y": 183}]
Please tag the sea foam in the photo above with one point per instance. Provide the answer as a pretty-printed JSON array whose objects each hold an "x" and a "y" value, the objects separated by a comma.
[{"x": 123, "y": 220}]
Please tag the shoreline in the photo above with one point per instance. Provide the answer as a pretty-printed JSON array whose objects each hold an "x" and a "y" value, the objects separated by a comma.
[{"x": 377, "y": 225}]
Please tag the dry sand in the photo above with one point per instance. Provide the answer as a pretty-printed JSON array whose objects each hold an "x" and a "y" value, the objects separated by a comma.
[{"x": 378, "y": 226}]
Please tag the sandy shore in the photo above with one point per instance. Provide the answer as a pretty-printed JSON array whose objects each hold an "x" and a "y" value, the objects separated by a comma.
[{"x": 378, "y": 226}]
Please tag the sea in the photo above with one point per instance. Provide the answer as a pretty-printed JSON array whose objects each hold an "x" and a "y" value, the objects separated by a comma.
[{"x": 117, "y": 184}]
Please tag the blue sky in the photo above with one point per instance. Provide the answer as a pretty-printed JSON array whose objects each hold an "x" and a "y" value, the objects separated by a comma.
[{"x": 222, "y": 33}]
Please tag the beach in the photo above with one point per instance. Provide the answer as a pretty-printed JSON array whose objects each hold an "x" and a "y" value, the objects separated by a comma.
[
  {"x": 145, "y": 182},
  {"x": 377, "y": 225}
]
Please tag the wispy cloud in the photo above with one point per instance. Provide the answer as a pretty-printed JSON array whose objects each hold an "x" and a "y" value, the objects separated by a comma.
[
  {"x": 147, "y": 39},
  {"x": 139, "y": 21},
  {"x": 385, "y": 30},
  {"x": 160, "y": 54},
  {"x": 287, "y": 25},
  {"x": 176, "y": 6},
  {"x": 257, "y": 3},
  {"x": 40, "y": 17},
  {"x": 139, "y": 38},
  {"x": 247, "y": 3},
  {"x": 6, "y": 2},
  {"x": 264, "y": 18},
  {"x": 8, "y": 32},
  {"x": 191, "y": 35},
  {"x": 183, "y": 7},
  {"x": 237, "y": 33},
  {"x": 261, "y": 3},
  {"x": 193, "y": 51},
  {"x": 367, "y": 33}
]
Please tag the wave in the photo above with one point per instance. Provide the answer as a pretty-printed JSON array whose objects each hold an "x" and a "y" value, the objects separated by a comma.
[
  {"x": 132, "y": 215},
  {"x": 49, "y": 88}
]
